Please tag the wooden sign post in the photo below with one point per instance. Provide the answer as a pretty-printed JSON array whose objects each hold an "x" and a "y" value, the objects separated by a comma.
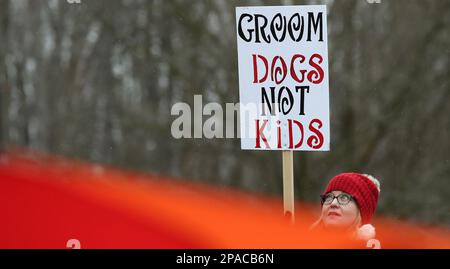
[
  {"x": 288, "y": 184},
  {"x": 283, "y": 83}
]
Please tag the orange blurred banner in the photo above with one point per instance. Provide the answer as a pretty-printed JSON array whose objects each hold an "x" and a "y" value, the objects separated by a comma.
[{"x": 46, "y": 201}]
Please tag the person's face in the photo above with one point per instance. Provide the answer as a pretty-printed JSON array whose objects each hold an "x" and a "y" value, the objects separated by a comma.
[{"x": 336, "y": 215}]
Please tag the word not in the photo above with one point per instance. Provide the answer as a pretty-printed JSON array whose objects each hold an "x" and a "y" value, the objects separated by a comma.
[
  {"x": 254, "y": 27},
  {"x": 285, "y": 102}
]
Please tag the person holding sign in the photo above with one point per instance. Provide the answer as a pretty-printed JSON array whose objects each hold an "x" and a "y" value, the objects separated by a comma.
[{"x": 348, "y": 204}]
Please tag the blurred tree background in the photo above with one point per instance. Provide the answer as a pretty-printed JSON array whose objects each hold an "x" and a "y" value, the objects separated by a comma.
[{"x": 97, "y": 81}]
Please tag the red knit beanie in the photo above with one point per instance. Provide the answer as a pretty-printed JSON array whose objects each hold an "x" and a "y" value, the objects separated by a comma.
[{"x": 361, "y": 188}]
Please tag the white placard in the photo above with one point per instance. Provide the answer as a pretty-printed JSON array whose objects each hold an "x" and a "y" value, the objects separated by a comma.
[{"x": 283, "y": 77}]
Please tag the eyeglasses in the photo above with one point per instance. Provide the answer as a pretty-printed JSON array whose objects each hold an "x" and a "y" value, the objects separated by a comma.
[{"x": 342, "y": 198}]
